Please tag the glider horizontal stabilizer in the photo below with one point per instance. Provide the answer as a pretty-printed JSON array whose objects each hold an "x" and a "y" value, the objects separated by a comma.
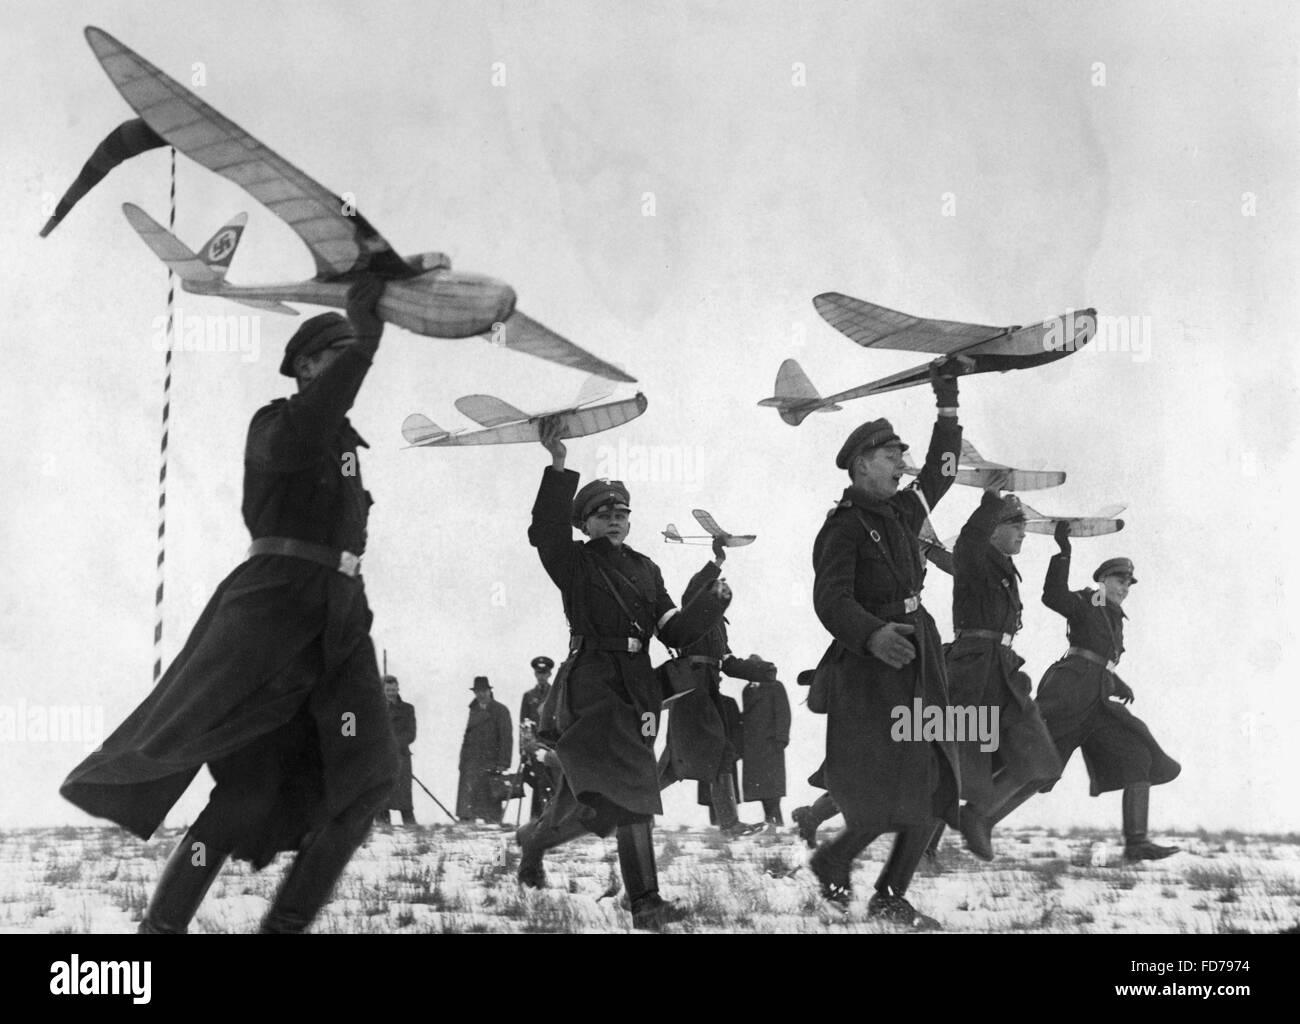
[{"x": 525, "y": 428}]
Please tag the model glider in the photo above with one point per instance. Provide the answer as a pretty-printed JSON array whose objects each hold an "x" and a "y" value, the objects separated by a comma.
[
  {"x": 1101, "y": 522},
  {"x": 423, "y": 295},
  {"x": 958, "y": 349},
  {"x": 974, "y": 470},
  {"x": 507, "y": 425},
  {"x": 729, "y": 540}
]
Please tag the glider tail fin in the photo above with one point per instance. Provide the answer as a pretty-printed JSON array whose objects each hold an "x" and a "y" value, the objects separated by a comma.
[
  {"x": 203, "y": 275},
  {"x": 219, "y": 250},
  {"x": 419, "y": 429},
  {"x": 795, "y": 395}
]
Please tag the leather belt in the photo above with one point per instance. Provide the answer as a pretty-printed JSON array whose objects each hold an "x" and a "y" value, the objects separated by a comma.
[
  {"x": 625, "y": 644},
  {"x": 903, "y": 607},
  {"x": 341, "y": 561},
  {"x": 987, "y": 634},
  {"x": 702, "y": 659},
  {"x": 1092, "y": 656}
]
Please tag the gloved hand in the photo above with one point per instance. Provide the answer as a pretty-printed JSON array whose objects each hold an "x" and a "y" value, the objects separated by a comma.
[
  {"x": 719, "y": 550},
  {"x": 1123, "y": 691},
  {"x": 945, "y": 388},
  {"x": 890, "y": 644},
  {"x": 363, "y": 297},
  {"x": 1062, "y": 535}
]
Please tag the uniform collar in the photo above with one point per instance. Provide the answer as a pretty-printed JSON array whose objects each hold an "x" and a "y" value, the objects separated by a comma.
[{"x": 859, "y": 498}]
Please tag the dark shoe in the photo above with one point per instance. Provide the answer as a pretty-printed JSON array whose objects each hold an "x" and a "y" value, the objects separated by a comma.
[
  {"x": 805, "y": 825},
  {"x": 885, "y": 906},
  {"x": 977, "y": 830},
  {"x": 1147, "y": 850},
  {"x": 839, "y": 895},
  {"x": 740, "y": 829},
  {"x": 651, "y": 913}
]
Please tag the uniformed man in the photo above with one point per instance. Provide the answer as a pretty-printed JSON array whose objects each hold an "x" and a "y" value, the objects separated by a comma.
[
  {"x": 485, "y": 751},
  {"x": 540, "y": 777},
  {"x": 984, "y": 670},
  {"x": 1082, "y": 699},
  {"x": 401, "y": 716},
  {"x": 885, "y": 653},
  {"x": 277, "y": 688},
  {"x": 703, "y": 743},
  {"x": 606, "y": 700},
  {"x": 765, "y": 719}
]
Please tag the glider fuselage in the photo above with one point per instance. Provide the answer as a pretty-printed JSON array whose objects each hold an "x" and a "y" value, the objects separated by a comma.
[{"x": 436, "y": 304}]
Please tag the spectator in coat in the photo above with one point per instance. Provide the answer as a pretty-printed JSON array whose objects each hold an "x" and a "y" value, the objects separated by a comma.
[
  {"x": 486, "y": 751},
  {"x": 540, "y": 773},
  {"x": 402, "y": 717},
  {"x": 765, "y": 718}
]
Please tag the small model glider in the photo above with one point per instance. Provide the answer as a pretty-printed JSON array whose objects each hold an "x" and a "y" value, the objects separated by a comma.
[
  {"x": 958, "y": 348},
  {"x": 974, "y": 470},
  {"x": 507, "y": 425},
  {"x": 729, "y": 540},
  {"x": 423, "y": 295},
  {"x": 1101, "y": 522}
]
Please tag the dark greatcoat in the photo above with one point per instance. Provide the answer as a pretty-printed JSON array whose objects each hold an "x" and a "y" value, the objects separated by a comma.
[
  {"x": 276, "y": 688},
  {"x": 606, "y": 702},
  {"x": 541, "y": 779},
  {"x": 701, "y": 742},
  {"x": 488, "y": 746},
  {"x": 983, "y": 672},
  {"x": 401, "y": 716},
  {"x": 878, "y": 783},
  {"x": 734, "y": 732},
  {"x": 766, "y": 720},
  {"x": 1074, "y": 695}
]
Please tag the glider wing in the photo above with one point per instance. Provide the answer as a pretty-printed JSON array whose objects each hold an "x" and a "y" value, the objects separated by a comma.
[
  {"x": 340, "y": 243},
  {"x": 487, "y": 411}
]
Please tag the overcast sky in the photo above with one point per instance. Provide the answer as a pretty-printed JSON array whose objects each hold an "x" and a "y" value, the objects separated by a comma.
[{"x": 997, "y": 163}]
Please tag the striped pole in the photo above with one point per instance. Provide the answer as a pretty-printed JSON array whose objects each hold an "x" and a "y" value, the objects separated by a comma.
[{"x": 162, "y": 472}]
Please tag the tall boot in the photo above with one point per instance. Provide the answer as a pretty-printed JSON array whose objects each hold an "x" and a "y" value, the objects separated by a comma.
[
  {"x": 636, "y": 861},
  {"x": 1135, "y": 808},
  {"x": 888, "y": 903},
  {"x": 312, "y": 877},
  {"x": 534, "y": 839},
  {"x": 722, "y": 793},
  {"x": 181, "y": 887}
]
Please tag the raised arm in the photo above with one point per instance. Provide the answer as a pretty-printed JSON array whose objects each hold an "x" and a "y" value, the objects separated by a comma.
[
  {"x": 678, "y": 627},
  {"x": 1056, "y": 585},
  {"x": 974, "y": 536},
  {"x": 291, "y": 435}
]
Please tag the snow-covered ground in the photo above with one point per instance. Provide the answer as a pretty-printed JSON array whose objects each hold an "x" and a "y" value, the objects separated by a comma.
[{"x": 462, "y": 879}]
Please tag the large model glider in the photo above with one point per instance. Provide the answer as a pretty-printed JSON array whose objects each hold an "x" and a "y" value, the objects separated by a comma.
[
  {"x": 507, "y": 425},
  {"x": 1101, "y": 522},
  {"x": 958, "y": 348},
  {"x": 974, "y": 470},
  {"x": 729, "y": 540},
  {"x": 423, "y": 295}
]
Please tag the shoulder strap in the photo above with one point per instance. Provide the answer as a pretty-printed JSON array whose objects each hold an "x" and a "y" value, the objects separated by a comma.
[
  {"x": 613, "y": 589},
  {"x": 874, "y": 534}
]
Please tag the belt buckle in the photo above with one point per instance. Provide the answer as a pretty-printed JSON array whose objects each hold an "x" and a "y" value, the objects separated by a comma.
[
  {"x": 911, "y": 604},
  {"x": 349, "y": 564},
  {"x": 633, "y": 645},
  {"x": 1111, "y": 666},
  {"x": 1007, "y": 638}
]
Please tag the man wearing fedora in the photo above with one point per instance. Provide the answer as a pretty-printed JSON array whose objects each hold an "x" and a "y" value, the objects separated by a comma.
[
  {"x": 885, "y": 652},
  {"x": 984, "y": 669},
  {"x": 277, "y": 689},
  {"x": 1082, "y": 699},
  {"x": 485, "y": 751},
  {"x": 534, "y": 764}
]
